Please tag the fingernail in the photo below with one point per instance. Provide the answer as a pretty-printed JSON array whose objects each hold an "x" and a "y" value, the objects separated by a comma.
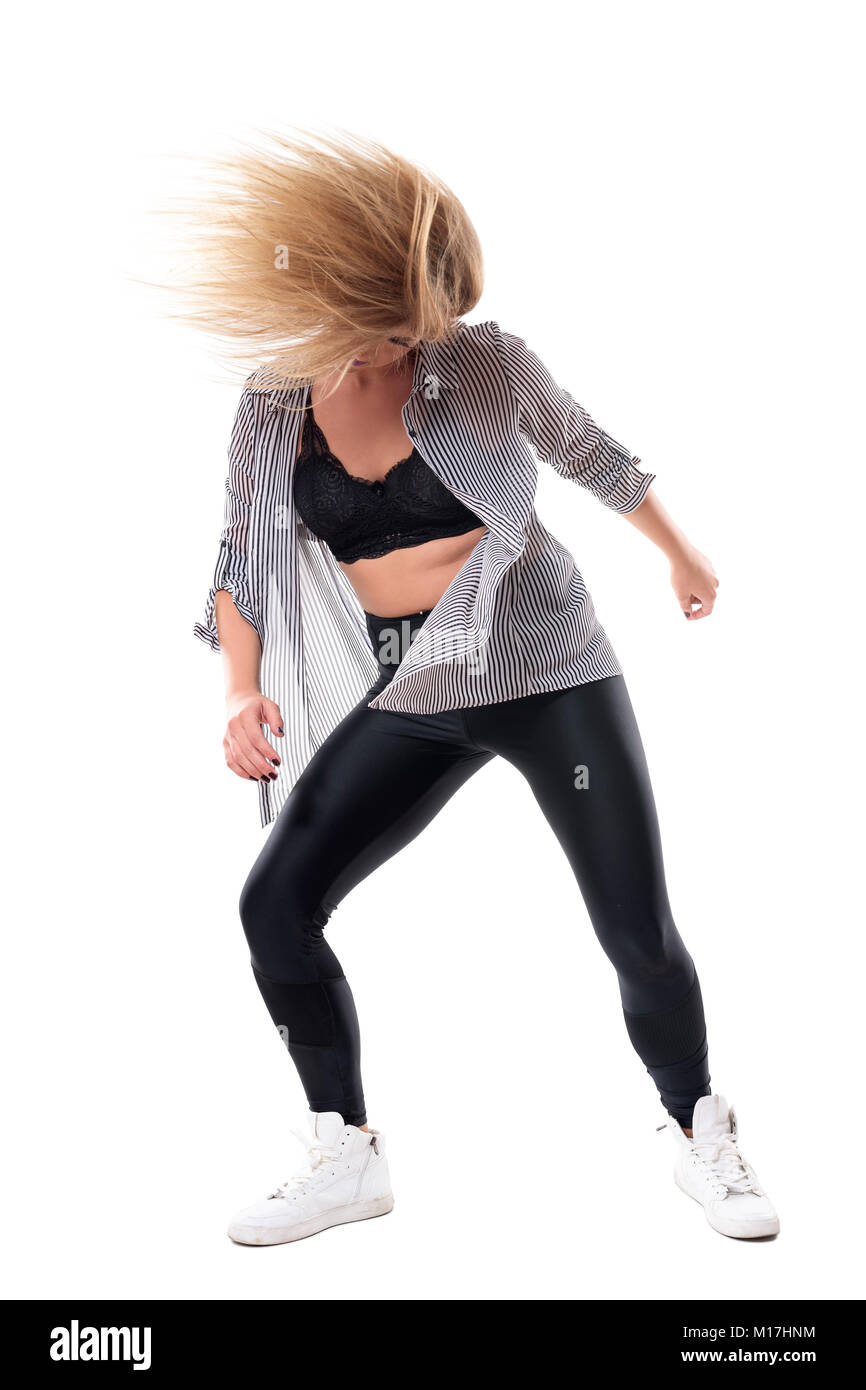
[
  {"x": 273, "y": 776},
  {"x": 281, "y": 730},
  {"x": 685, "y": 614},
  {"x": 275, "y": 761},
  {"x": 252, "y": 778}
]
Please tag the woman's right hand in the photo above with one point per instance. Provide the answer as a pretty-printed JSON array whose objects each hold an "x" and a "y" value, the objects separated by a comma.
[{"x": 248, "y": 753}]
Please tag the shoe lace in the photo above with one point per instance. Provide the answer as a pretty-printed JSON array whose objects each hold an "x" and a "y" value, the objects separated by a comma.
[
  {"x": 318, "y": 1156},
  {"x": 722, "y": 1156}
]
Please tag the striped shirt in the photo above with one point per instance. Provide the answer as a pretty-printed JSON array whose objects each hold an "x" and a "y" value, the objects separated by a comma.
[{"x": 517, "y": 619}]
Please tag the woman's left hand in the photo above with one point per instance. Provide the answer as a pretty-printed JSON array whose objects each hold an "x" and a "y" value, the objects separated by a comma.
[{"x": 694, "y": 582}]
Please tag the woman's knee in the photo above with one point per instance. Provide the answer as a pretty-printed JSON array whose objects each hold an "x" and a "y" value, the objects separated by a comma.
[
  {"x": 284, "y": 930},
  {"x": 650, "y": 958}
]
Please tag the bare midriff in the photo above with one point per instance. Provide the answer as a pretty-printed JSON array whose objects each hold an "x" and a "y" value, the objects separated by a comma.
[{"x": 409, "y": 580}]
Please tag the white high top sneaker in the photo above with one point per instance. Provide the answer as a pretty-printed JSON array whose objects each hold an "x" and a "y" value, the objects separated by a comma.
[
  {"x": 345, "y": 1178},
  {"x": 710, "y": 1168}
]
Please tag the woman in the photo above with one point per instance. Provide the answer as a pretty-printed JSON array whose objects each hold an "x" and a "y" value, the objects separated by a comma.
[{"x": 393, "y": 614}]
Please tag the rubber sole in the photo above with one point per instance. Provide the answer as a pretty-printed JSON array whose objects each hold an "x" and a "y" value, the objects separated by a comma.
[
  {"x": 758, "y": 1230},
  {"x": 340, "y": 1216}
]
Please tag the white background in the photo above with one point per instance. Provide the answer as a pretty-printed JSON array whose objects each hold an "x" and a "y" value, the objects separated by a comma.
[{"x": 667, "y": 199}]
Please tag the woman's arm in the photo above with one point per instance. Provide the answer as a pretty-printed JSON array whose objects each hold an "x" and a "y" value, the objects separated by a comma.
[
  {"x": 692, "y": 575},
  {"x": 565, "y": 435},
  {"x": 247, "y": 751}
]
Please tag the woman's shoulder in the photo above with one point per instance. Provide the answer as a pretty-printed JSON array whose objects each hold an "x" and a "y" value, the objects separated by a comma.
[
  {"x": 489, "y": 338},
  {"x": 262, "y": 396},
  {"x": 477, "y": 343},
  {"x": 484, "y": 331}
]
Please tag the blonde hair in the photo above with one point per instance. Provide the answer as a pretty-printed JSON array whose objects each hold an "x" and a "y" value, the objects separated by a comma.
[{"x": 301, "y": 251}]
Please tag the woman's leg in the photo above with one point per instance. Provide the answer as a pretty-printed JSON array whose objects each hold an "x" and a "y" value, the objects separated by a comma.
[
  {"x": 371, "y": 787},
  {"x": 582, "y": 755}
]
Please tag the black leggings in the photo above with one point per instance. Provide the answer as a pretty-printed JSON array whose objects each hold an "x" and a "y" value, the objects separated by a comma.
[{"x": 381, "y": 777}]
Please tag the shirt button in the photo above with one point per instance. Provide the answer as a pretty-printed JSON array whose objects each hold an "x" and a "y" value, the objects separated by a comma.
[{"x": 411, "y": 434}]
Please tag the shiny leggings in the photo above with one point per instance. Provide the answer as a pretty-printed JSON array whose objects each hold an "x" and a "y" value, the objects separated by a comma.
[{"x": 381, "y": 777}]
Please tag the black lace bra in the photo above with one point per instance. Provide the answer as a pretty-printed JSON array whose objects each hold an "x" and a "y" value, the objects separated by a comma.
[{"x": 360, "y": 519}]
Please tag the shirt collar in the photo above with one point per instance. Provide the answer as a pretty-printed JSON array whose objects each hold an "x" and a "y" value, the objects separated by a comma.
[{"x": 436, "y": 368}]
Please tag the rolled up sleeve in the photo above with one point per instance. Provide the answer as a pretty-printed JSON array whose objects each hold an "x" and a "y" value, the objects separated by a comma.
[
  {"x": 565, "y": 435},
  {"x": 232, "y": 567}
]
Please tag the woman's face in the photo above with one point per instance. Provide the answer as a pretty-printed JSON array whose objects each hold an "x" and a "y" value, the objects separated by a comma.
[{"x": 387, "y": 350}]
